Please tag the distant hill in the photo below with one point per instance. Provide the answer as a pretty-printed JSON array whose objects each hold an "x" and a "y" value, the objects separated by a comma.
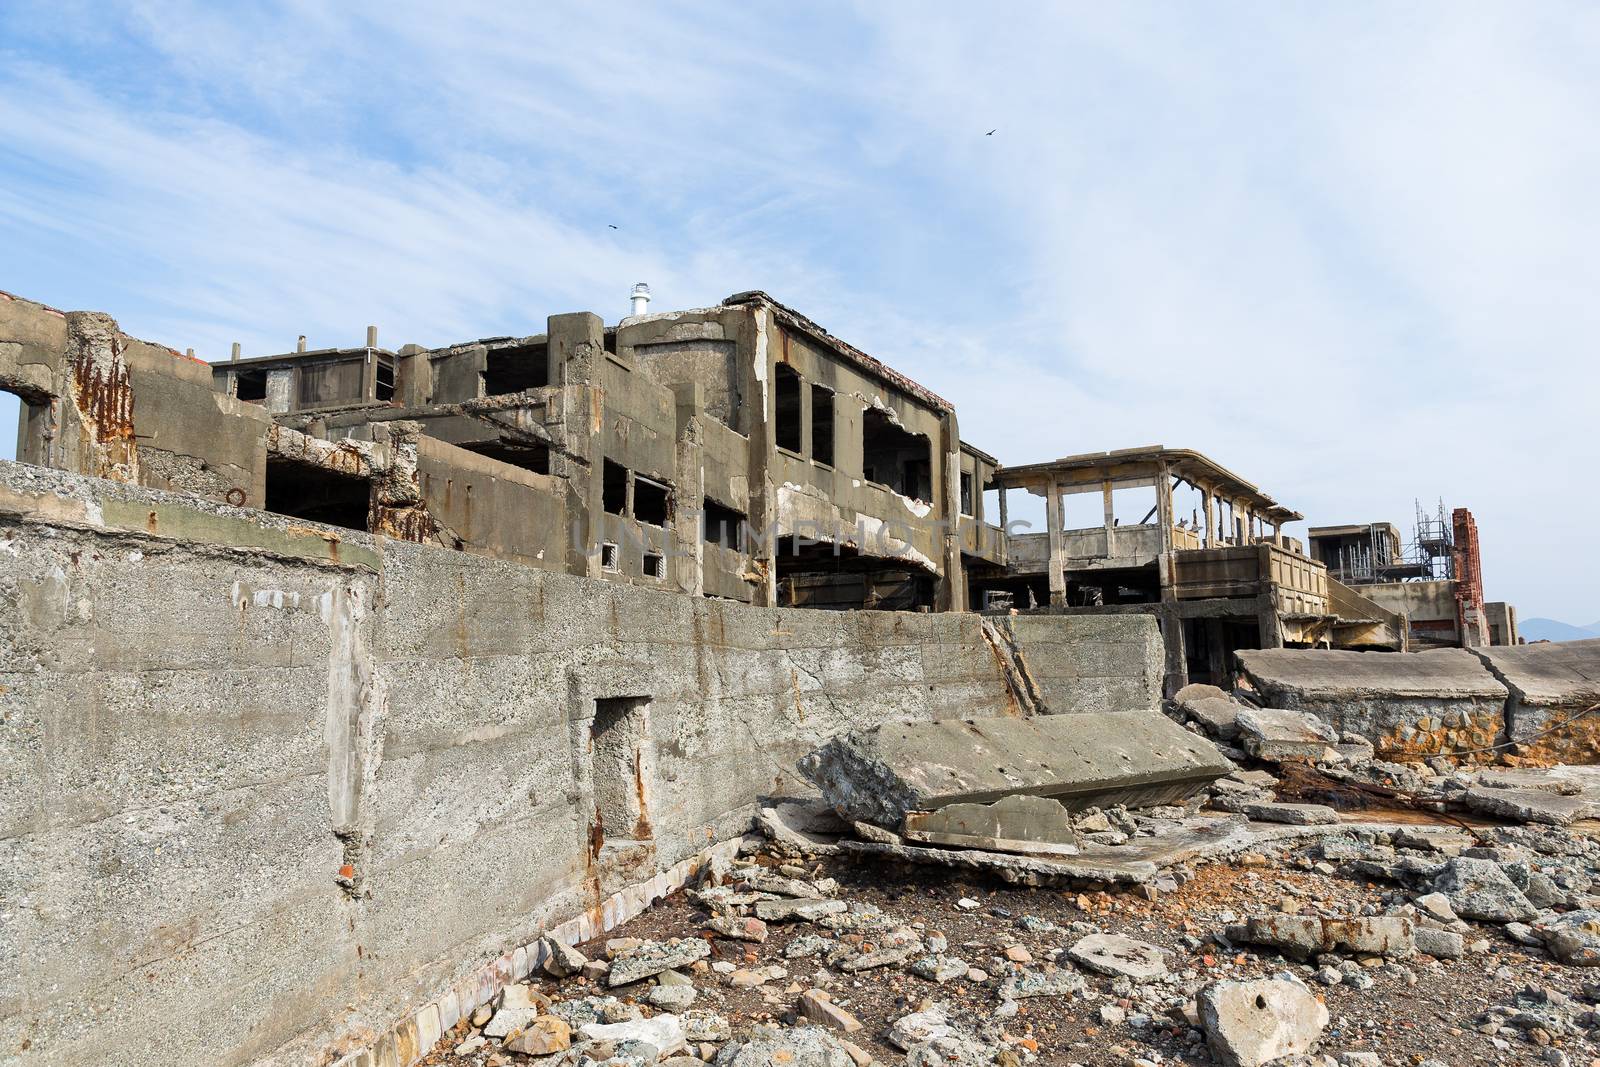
[{"x": 1552, "y": 630}]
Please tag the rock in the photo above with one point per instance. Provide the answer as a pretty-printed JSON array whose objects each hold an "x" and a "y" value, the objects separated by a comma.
[
  {"x": 663, "y": 1033},
  {"x": 673, "y": 998},
  {"x": 739, "y": 928},
  {"x": 1111, "y": 1015},
  {"x": 545, "y": 1036},
  {"x": 595, "y": 970},
  {"x": 1574, "y": 938},
  {"x": 1360, "y": 1059},
  {"x": 1032, "y": 924},
  {"x": 471, "y": 1045},
  {"x": 951, "y": 1050},
  {"x": 1302, "y": 936},
  {"x": 1057, "y": 983},
  {"x": 868, "y": 832},
  {"x": 1277, "y": 734},
  {"x": 702, "y": 1025},
  {"x": 819, "y": 1008},
  {"x": 1292, "y": 814},
  {"x": 652, "y": 957},
  {"x": 1479, "y": 889},
  {"x": 1216, "y": 712},
  {"x": 582, "y": 1010},
  {"x": 808, "y": 945},
  {"x": 883, "y": 957},
  {"x": 968, "y": 904},
  {"x": 1252, "y": 1023},
  {"x": 940, "y": 969},
  {"x": 1117, "y": 955},
  {"x": 515, "y": 1013},
  {"x": 808, "y": 908},
  {"x": 1019, "y": 823},
  {"x": 911, "y": 1030},
  {"x": 560, "y": 960},
  {"x": 1018, "y": 954},
  {"x": 1436, "y": 906},
  {"x": 801, "y": 1046},
  {"x": 1440, "y": 944}
]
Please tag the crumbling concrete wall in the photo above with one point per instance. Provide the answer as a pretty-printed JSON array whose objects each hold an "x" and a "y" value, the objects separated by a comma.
[
  {"x": 1408, "y": 704},
  {"x": 273, "y": 783},
  {"x": 1551, "y": 683},
  {"x": 1089, "y": 663}
]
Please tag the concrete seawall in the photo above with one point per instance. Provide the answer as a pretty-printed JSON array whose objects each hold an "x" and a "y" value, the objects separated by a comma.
[{"x": 273, "y": 785}]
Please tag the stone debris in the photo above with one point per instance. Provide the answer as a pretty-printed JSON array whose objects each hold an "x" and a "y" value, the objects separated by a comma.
[
  {"x": 653, "y": 957},
  {"x": 545, "y": 1036},
  {"x": 561, "y": 960},
  {"x": 1479, "y": 889},
  {"x": 1115, "y": 955},
  {"x": 1278, "y": 735},
  {"x": 1293, "y": 814},
  {"x": 746, "y": 928},
  {"x": 911, "y": 1030},
  {"x": 808, "y": 908},
  {"x": 653, "y": 1037},
  {"x": 807, "y": 1046},
  {"x": 1023, "y": 984},
  {"x": 816, "y": 1005},
  {"x": 1252, "y": 1023},
  {"x": 1302, "y": 936}
]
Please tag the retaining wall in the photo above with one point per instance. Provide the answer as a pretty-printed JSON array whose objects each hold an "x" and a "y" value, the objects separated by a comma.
[{"x": 273, "y": 785}]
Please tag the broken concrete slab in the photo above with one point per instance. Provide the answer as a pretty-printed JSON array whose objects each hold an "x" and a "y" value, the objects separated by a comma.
[
  {"x": 1280, "y": 735},
  {"x": 1533, "y": 805},
  {"x": 1302, "y": 936},
  {"x": 1408, "y": 704},
  {"x": 1292, "y": 814},
  {"x": 1213, "y": 708},
  {"x": 1252, "y": 1023},
  {"x": 653, "y": 957},
  {"x": 1026, "y": 824},
  {"x": 1088, "y": 760},
  {"x": 1119, "y": 956},
  {"x": 1550, "y": 683}
]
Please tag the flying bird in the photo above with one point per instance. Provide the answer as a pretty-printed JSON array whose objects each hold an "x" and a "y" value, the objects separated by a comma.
[
  {"x": 991, "y": 132},
  {"x": 612, "y": 225}
]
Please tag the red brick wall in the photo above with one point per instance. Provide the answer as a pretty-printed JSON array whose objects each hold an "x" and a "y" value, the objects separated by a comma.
[{"x": 1470, "y": 618}]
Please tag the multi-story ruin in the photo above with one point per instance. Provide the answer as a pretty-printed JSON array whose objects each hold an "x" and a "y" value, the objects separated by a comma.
[{"x": 1435, "y": 582}]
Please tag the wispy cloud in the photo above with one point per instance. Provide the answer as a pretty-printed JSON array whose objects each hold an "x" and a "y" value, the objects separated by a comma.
[{"x": 1347, "y": 250}]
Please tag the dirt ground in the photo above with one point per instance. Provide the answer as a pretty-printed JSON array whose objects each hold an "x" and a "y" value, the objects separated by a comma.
[{"x": 1416, "y": 1009}]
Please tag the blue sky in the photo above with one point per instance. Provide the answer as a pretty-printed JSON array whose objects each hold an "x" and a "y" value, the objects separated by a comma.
[{"x": 1347, "y": 250}]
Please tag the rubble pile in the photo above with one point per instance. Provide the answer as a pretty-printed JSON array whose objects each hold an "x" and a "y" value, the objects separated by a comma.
[{"x": 1281, "y": 896}]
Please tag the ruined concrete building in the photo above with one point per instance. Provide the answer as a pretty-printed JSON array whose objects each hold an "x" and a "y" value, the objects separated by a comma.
[
  {"x": 1220, "y": 578},
  {"x": 1435, "y": 583}
]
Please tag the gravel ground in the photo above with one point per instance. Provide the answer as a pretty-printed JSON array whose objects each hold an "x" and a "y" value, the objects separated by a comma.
[{"x": 1416, "y": 1009}]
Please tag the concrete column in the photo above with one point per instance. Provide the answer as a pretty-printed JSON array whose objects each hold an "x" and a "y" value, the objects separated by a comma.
[
  {"x": 757, "y": 369},
  {"x": 1211, "y": 519},
  {"x": 1164, "y": 506},
  {"x": 577, "y": 346},
  {"x": 1058, "y": 560},
  {"x": 413, "y": 376},
  {"x": 688, "y": 519},
  {"x": 1108, "y": 503},
  {"x": 950, "y": 593}
]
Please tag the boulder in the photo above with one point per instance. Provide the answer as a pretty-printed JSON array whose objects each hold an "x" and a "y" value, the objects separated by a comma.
[
  {"x": 1479, "y": 889},
  {"x": 663, "y": 1033},
  {"x": 653, "y": 957},
  {"x": 1277, "y": 735},
  {"x": 1574, "y": 938},
  {"x": 1252, "y": 1023},
  {"x": 561, "y": 960},
  {"x": 801, "y": 1046}
]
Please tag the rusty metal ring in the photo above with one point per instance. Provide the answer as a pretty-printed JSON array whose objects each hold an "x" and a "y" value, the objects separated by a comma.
[{"x": 236, "y": 497}]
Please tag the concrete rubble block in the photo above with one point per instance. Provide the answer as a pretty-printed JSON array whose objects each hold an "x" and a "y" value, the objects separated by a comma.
[
  {"x": 1550, "y": 683},
  {"x": 1119, "y": 956},
  {"x": 1574, "y": 938},
  {"x": 802, "y": 1046},
  {"x": 1060, "y": 982},
  {"x": 1532, "y": 805},
  {"x": 1279, "y": 735},
  {"x": 561, "y": 960},
  {"x": 1027, "y": 824},
  {"x": 1478, "y": 889},
  {"x": 1302, "y": 936},
  {"x": 1252, "y": 1023},
  {"x": 1292, "y": 814},
  {"x": 1440, "y": 944},
  {"x": 1084, "y": 760},
  {"x": 545, "y": 1036},
  {"x": 817, "y": 1006},
  {"x": 1410, "y": 705},
  {"x": 653, "y": 957},
  {"x": 920, "y": 1026},
  {"x": 789, "y": 908},
  {"x": 662, "y": 1033},
  {"x": 1211, "y": 707}
]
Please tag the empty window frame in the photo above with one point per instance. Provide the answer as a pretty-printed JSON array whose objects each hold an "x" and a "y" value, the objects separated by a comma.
[
  {"x": 251, "y": 386},
  {"x": 787, "y": 418},
  {"x": 822, "y": 424},
  {"x": 966, "y": 492},
  {"x": 655, "y": 565},
  {"x": 385, "y": 386},
  {"x": 614, "y": 488},
  {"x": 516, "y": 368},
  {"x": 608, "y": 557},
  {"x": 530, "y": 457},
  {"x": 652, "y": 501},
  {"x": 317, "y": 494},
  {"x": 724, "y": 526},
  {"x": 895, "y": 457}
]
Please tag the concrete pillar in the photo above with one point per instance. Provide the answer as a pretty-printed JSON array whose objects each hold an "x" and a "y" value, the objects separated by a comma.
[
  {"x": 1211, "y": 519},
  {"x": 688, "y": 519},
  {"x": 1164, "y": 506},
  {"x": 577, "y": 346},
  {"x": 950, "y": 594},
  {"x": 413, "y": 376},
  {"x": 1108, "y": 503},
  {"x": 756, "y": 371},
  {"x": 1058, "y": 560}
]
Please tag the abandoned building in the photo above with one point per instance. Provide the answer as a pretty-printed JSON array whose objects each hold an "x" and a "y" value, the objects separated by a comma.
[
  {"x": 1220, "y": 575},
  {"x": 1435, "y": 583}
]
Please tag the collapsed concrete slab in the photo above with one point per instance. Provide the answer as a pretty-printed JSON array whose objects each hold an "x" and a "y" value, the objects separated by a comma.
[
  {"x": 878, "y": 775},
  {"x": 1554, "y": 690},
  {"x": 1408, "y": 704},
  {"x": 1020, "y": 823}
]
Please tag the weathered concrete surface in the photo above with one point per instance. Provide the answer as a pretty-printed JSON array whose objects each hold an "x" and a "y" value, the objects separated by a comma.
[
  {"x": 1408, "y": 704},
  {"x": 1090, "y": 663},
  {"x": 1550, "y": 683},
  {"x": 271, "y": 783},
  {"x": 1018, "y": 823},
  {"x": 879, "y": 774}
]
